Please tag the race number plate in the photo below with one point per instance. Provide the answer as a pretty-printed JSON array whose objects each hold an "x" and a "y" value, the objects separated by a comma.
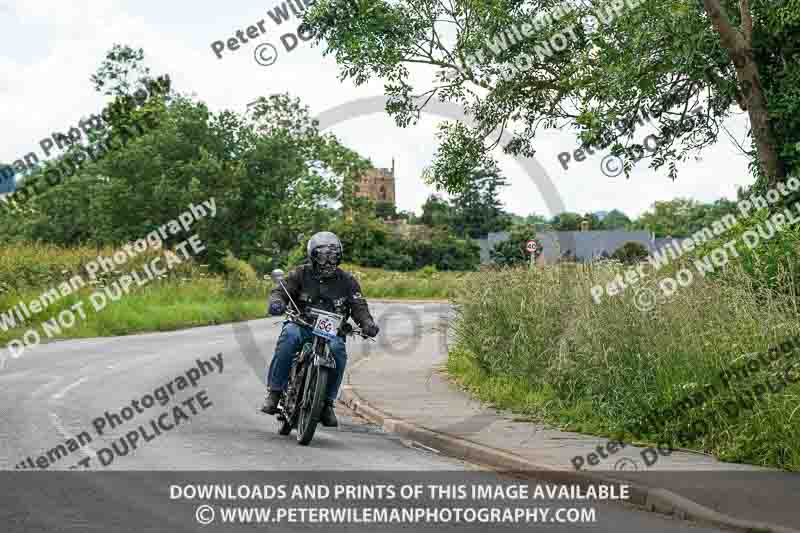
[{"x": 327, "y": 324}]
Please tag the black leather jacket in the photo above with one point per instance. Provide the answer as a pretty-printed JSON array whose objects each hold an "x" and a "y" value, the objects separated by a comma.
[{"x": 339, "y": 294}]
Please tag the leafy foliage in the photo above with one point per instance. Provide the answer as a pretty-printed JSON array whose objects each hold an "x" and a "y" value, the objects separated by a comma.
[
  {"x": 630, "y": 252},
  {"x": 682, "y": 217},
  {"x": 512, "y": 252},
  {"x": 665, "y": 57},
  {"x": 239, "y": 276},
  {"x": 474, "y": 211},
  {"x": 272, "y": 175}
]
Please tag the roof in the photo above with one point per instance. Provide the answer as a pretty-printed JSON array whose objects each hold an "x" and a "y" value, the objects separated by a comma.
[{"x": 586, "y": 245}]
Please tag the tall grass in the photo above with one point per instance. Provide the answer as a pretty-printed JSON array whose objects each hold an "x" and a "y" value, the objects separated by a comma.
[
  {"x": 534, "y": 341},
  {"x": 159, "y": 306},
  {"x": 427, "y": 283},
  {"x": 185, "y": 296}
]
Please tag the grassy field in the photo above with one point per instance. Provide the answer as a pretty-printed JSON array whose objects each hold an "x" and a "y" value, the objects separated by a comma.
[
  {"x": 185, "y": 297},
  {"x": 422, "y": 284},
  {"x": 535, "y": 343},
  {"x": 160, "y": 306}
]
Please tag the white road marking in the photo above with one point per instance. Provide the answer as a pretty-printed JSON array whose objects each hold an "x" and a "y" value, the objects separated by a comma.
[
  {"x": 39, "y": 390},
  {"x": 57, "y": 424},
  {"x": 60, "y": 394}
]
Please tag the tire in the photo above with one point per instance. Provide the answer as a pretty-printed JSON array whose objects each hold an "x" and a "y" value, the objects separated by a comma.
[
  {"x": 317, "y": 388},
  {"x": 285, "y": 429}
]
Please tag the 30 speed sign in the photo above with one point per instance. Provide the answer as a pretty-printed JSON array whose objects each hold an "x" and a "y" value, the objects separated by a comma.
[{"x": 530, "y": 246}]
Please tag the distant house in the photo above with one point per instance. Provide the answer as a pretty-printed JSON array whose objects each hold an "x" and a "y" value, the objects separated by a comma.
[
  {"x": 587, "y": 246},
  {"x": 491, "y": 240},
  {"x": 377, "y": 184},
  {"x": 584, "y": 246}
]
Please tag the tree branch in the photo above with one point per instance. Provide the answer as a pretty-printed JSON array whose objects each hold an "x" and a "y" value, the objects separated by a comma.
[{"x": 747, "y": 22}]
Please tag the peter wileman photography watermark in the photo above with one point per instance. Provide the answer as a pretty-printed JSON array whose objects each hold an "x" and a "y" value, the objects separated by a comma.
[
  {"x": 500, "y": 42},
  {"x": 95, "y": 123},
  {"x": 612, "y": 165},
  {"x": 717, "y": 258},
  {"x": 266, "y": 54},
  {"x": 740, "y": 397},
  {"x": 100, "y": 298},
  {"x": 147, "y": 431}
]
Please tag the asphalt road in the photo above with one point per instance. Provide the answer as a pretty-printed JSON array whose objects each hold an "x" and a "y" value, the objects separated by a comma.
[{"x": 59, "y": 392}]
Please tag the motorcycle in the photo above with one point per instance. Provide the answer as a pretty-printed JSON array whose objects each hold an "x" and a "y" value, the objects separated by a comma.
[{"x": 313, "y": 367}]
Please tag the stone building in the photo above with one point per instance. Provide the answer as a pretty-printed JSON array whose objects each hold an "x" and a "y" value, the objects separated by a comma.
[{"x": 377, "y": 184}]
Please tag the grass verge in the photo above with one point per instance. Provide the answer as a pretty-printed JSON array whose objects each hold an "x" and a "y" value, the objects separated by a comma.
[
  {"x": 163, "y": 306},
  {"x": 534, "y": 342},
  {"x": 187, "y": 297}
]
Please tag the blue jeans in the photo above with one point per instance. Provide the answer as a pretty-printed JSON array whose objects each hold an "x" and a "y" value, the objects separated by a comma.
[{"x": 289, "y": 343}]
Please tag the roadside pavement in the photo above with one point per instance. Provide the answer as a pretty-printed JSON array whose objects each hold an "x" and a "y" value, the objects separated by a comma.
[{"x": 410, "y": 394}]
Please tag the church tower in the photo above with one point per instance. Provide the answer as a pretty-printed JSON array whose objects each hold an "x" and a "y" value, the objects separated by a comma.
[{"x": 378, "y": 184}]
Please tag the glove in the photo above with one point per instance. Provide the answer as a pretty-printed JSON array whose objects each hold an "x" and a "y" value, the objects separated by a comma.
[
  {"x": 276, "y": 308},
  {"x": 371, "y": 329}
]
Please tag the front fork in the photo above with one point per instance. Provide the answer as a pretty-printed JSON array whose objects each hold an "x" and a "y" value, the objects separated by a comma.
[
  {"x": 322, "y": 358},
  {"x": 322, "y": 354},
  {"x": 319, "y": 353}
]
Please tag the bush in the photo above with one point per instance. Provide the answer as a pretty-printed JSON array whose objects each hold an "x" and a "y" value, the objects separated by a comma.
[
  {"x": 297, "y": 256},
  {"x": 27, "y": 266},
  {"x": 445, "y": 252},
  {"x": 240, "y": 277},
  {"x": 369, "y": 242},
  {"x": 630, "y": 252},
  {"x": 538, "y": 345},
  {"x": 380, "y": 283},
  {"x": 512, "y": 252},
  {"x": 428, "y": 270},
  {"x": 770, "y": 264},
  {"x": 399, "y": 262},
  {"x": 264, "y": 265}
]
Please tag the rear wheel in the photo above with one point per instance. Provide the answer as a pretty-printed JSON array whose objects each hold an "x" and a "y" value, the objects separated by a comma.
[
  {"x": 285, "y": 429},
  {"x": 313, "y": 401}
]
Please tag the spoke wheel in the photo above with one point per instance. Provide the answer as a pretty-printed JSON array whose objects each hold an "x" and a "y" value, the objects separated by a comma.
[{"x": 316, "y": 387}]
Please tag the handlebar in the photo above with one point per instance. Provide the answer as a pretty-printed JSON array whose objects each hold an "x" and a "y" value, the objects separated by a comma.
[{"x": 354, "y": 330}]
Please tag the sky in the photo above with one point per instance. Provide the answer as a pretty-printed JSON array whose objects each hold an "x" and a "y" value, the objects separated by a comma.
[{"x": 50, "y": 48}]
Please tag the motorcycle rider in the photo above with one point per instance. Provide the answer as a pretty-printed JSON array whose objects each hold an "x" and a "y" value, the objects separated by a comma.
[{"x": 320, "y": 283}]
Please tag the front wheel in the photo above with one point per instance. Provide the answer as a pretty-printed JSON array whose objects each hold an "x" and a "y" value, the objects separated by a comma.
[{"x": 314, "y": 395}]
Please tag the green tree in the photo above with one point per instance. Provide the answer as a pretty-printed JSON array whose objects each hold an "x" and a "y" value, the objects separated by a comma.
[
  {"x": 668, "y": 217},
  {"x": 437, "y": 211},
  {"x": 681, "y": 217},
  {"x": 567, "y": 222},
  {"x": 512, "y": 252},
  {"x": 615, "y": 219},
  {"x": 385, "y": 210},
  {"x": 272, "y": 175},
  {"x": 533, "y": 218},
  {"x": 477, "y": 209},
  {"x": 662, "y": 56},
  {"x": 630, "y": 252}
]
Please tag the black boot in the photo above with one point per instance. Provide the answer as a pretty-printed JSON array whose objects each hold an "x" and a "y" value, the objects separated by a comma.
[
  {"x": 328, "y": 417},
  {"x": 270, "y": 406}
]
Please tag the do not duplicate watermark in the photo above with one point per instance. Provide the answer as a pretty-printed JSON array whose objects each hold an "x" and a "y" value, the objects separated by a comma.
[
  {"x": 100, "y": 298},
  {"x": 146, "y": 432}
]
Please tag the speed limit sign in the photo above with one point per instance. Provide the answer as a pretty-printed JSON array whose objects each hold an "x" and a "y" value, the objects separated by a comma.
[{"x": 530, "y": 246}]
